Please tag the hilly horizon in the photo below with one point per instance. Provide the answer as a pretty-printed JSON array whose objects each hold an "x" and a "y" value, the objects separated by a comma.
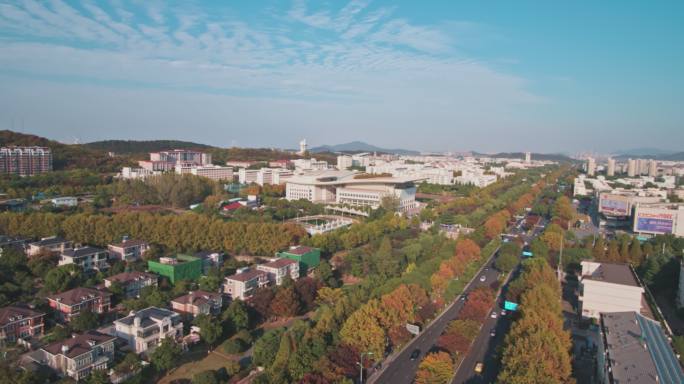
[{"x": 360, "y": 146}]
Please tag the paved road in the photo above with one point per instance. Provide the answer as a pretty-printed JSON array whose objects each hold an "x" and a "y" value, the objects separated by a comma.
[
  {"x": 485, "y": 347},
  {"x": 402, "y": 369}
]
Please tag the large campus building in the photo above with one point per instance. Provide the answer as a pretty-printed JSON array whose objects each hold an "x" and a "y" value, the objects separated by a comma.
[
  {"x": 345, "y": 187},
  {"x": 25, "y": 161},
  {"x": 659, "y": 219}
]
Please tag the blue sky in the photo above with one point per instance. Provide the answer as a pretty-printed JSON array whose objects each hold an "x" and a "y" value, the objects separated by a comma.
[{"x": 428, "y": 75}]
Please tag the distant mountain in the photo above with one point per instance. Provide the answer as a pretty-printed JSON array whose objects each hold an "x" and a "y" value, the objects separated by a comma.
[
  {"x": 143, "y": 146},
  {"x": 644, "y": 151},
  {"x": 520, "y": 155},
  {"x": 669, "y": 156},
  {"x": 66, "y": 156},
  {"x": 359, "y": 146}
]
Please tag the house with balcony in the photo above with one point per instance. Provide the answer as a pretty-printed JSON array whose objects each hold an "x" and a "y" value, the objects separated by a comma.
[
  {"x": 210, "y": 260},
  {"x": 20, "y": 323},
  {"x": 128, "y": 250},
  {"x": 90, "y": 259},
  {"x": 144, "y": 330},
  {"x": 80, "y": 355},
  {"x": 71, "y": 303},
  {"x": 198, "y": 303},
  {"x": 243, "y": 284},
  {"x": 53, "y": 244},
  {"x": 132, "y": 282},
  {"x": 278, "y": 269}
]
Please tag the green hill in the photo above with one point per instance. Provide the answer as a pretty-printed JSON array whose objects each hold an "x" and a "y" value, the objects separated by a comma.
[
  {"x": 67, "y": 156},
  {"x": 143, "y": 146}
]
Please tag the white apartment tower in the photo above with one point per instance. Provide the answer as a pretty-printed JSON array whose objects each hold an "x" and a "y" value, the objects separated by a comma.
[
  {"x": 303, "y": 147},
  {"x": 610, "y": 170}
]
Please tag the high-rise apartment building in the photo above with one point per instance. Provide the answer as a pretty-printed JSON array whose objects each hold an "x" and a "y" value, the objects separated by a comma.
[
  {"x": 528, "y": 157},
  {"x": 631, "y": 167},
  {"x": 591, "y": 166},
  {"x": 25, "y": 161},
  {"x": 652, "y": 168},
  {"x": 610, "y": 168}
]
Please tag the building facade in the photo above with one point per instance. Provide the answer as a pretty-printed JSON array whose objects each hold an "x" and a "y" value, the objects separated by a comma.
[
  {"x": 52, "y": 244},
  {"x": 198, "y": 303},
  {"x": 181, "y": 267},
  {"x": 243, "y": 284},
  {"x": 25, "y": 161},
  {"x": 80, "y": 355},
  {"x": 606, "y": 287},
  {"x": 132, "y": 282},
  {"x": 280, "y": 268},
  {"x": 307, "y": 257},
  {"x": 88, "y": 258},
  {"x": 144, "y": 330},
  {"x": 72, "y": 303},
  {"x": 128, "y": 250},
  {"x": 20, "y": 323}
]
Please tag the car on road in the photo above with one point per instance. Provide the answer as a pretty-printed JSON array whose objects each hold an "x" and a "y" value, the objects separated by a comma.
[
  {"x": 503, "y": 312},
  {"x": 415, "y": 354},
  {"x": 493, "y": 315},
  {"x": 483, "y": 278},
  {"x": 492, "y": 333},
  {"x": 479, "y": 367}
]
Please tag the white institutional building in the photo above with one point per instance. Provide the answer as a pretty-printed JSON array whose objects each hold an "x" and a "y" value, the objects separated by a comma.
[
  {"x": 345, "y": 187},
  {"x": 607, "y": 287}
]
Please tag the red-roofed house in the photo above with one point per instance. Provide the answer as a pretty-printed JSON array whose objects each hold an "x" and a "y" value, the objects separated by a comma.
[
  {"x": 78, "y": 356},
  {"x": 19, "y": 323},
  {"x": 198, "y": 303},
  {"x": 243, "y": 284},
  {"x": 71, "y": 303},
  {"x": 279, "y": 268}
]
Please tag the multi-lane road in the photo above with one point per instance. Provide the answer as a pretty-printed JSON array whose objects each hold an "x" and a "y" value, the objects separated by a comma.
[{"x": 402, "y": 369}]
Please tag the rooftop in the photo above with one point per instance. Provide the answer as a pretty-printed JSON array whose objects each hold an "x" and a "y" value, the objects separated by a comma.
[
  {"x": 78, "y": 344},
  {"x": 639, "y": 350},
  {"x": 82, "y": 251},
  {"x": 613, "y": 273},
  {"x": 197, "y": 297},
  {"x": 129, "y": 243},
  {"x": 299, "y": 250},
  {"x": 13, "y": 313},
  {"x": 48, "y": 241},
  {"x": 279, "y": 263},
  {"x": 78, "y": 295},
  {"x": 126, "y": 277},
  {"x": 147, "y": 316},
  {"x": 247, "y": 275}
]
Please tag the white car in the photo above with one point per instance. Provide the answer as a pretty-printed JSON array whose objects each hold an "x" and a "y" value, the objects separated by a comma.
[
  {"x": 483, "y": 278},
  {"x": 493, "y": 316}
]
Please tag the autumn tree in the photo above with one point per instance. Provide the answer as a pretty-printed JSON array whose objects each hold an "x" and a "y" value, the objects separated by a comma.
[{"x": 436, "y": 368}]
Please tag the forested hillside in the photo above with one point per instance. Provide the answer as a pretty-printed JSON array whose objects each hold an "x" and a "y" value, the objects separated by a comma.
[{"x": 67, "y": 156}]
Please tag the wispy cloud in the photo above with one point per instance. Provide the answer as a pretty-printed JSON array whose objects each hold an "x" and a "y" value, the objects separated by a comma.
[{"x": 358, "y": 54}]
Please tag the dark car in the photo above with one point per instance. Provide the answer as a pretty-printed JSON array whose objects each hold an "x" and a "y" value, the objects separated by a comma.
[{"x": 415, "y": 354}]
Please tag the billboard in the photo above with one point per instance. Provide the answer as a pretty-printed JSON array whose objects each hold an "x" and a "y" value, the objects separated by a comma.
[
  {"x": 614, "y": 205},
  {"x": 654, "y": 222}
]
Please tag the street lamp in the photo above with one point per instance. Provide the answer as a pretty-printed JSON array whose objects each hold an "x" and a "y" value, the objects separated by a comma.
[{"x": 360, "y": 363}]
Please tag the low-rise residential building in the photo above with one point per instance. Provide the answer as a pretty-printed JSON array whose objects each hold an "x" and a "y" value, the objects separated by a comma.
[
  {"x": 19, "y": 323},
  {"x": 607, "y": 287},
  {"x": 198, "y": 303},
  {"x": 17, "y": 243},
  {"x": 210, "y": 260},
  {"x": 307, "y": 257},
  {"x": 145, "y": 329},
  {"x": 635, "y": 349},
  {"x": 138, "y": 173},
  {"x": 279, "y": 268},
  {"x": 180, "y": 267},
  {"x": 128, "y": 250},
  {"x": 71, "y": 303},
  {"x": 53, "y": 244},
  {"x": 65, "y": 201},
  {"x": 243, "y": 284},
  {"x": 80, "y": 355},
  {"x": 89, "y": 258},
  {"x": 132, "y": 282}
]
